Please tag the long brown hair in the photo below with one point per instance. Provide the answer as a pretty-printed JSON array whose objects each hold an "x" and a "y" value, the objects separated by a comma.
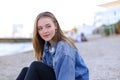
[{"x": 38, "y": 42}]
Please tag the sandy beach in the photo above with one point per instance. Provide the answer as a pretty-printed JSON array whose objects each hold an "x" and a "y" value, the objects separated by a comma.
[{"x": 102, "y": 56}]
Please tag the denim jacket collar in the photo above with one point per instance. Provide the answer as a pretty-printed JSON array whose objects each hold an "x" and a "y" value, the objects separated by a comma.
[{"x": 47, "y": 49}]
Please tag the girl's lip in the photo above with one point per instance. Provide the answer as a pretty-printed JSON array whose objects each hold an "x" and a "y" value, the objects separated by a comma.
[{"x": 45, "y": 35}]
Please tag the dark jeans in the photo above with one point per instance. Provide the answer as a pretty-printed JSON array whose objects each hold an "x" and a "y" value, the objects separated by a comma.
[{"x": 37, "y": 71}]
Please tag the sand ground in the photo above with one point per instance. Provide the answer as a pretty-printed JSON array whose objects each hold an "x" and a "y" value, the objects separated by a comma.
[{"x": 102, "y": 56}]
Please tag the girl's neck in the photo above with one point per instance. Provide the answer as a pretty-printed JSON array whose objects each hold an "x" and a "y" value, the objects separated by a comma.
[{"x": 51, "y": 43}]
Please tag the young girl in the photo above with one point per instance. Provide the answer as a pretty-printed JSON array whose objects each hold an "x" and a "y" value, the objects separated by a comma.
[{"x": 57, "y": 57}]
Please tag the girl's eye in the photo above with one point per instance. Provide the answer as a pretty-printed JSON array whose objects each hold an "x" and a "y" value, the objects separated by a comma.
[
  {"x": 40, "y": 28},
  {"x": 48, "y": 26}
]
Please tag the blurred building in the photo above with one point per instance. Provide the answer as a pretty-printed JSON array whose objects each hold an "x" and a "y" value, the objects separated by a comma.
[
  {"x": 17, "y": 30},
  {"x": 110, "y": 15},
  {"x": 115, "y": 3},
  {"x": 106, "y": 19}
]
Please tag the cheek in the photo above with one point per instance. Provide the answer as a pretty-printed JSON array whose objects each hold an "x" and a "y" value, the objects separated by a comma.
[
  {"x": 53, "y": 32},
  {"x": 40, "y": 33}
]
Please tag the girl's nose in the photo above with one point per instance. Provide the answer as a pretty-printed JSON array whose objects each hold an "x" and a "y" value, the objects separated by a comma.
[{"x": 45, "y": 30}]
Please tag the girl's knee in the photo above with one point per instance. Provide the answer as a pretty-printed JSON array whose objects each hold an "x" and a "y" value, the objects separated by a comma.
[
  {"x": 35, "y": 63},
  {"x": 25, "y": 69}
]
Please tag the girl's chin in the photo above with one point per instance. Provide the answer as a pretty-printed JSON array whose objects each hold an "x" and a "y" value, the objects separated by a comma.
[{"x": 47, "y": 39}]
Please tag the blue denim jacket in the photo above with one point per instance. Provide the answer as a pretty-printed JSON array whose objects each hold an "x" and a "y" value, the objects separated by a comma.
[{"x": 66, "y": 61}]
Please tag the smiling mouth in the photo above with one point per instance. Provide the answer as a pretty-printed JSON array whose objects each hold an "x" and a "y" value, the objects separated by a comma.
[{"x": 46, "y": 36}]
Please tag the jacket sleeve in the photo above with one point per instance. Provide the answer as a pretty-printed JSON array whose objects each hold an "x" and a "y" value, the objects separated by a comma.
[
  {"x": 82, "y": 71},
  {"x": 65, "y": 68}
]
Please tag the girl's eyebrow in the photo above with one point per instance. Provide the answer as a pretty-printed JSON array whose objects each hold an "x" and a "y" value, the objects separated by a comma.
[{"x": 45, "y": 25}]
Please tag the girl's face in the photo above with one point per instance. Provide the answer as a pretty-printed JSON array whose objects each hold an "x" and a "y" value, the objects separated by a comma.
[{"x": 46, "y": 28}]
